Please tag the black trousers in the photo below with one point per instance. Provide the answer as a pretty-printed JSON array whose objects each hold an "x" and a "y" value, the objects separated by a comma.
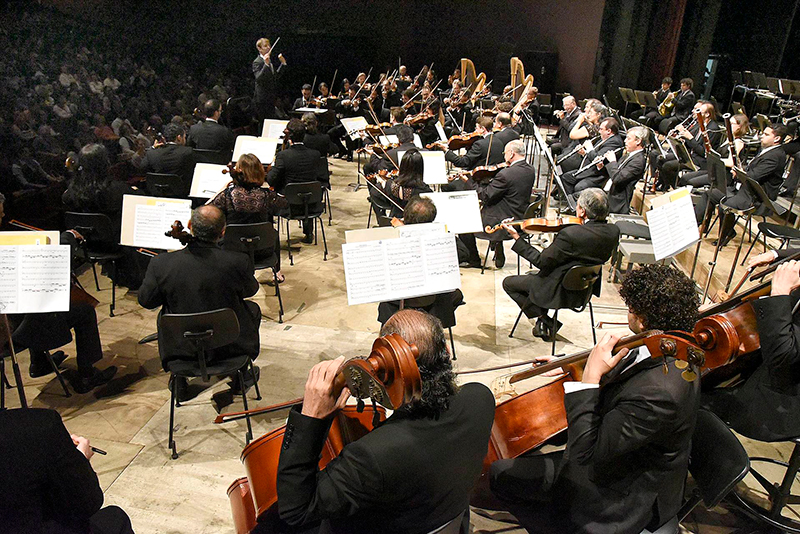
[
  {"x": 518, "y": 288},
  {"x": 695, "y": 179},
  {"x": 111, "y": 520}
]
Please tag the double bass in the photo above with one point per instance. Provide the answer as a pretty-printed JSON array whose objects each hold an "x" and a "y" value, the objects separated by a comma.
[{"x": 389, "y": 377}]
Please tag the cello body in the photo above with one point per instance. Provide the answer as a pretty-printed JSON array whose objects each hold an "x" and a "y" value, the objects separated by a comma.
[{"x": 260, "y": 457}]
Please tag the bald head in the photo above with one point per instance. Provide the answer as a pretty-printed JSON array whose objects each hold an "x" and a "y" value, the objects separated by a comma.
[{"x": 207, "y": 224}]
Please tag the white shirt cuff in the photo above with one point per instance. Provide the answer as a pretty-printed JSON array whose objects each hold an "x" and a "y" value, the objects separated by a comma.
[{"x": 570, "y": 387}]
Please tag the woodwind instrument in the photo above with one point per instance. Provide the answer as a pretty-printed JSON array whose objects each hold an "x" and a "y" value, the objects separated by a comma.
[{"x": 731, "y": 141}]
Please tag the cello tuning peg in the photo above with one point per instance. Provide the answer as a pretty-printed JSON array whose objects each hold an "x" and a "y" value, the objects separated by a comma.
[
  {"x": 680, "y": 364},
  {"x": 689, "y": 375}
]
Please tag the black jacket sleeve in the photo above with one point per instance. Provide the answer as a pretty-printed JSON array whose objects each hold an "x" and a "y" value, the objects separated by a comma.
[
  {"x": 150, "y": 295},
  {"x": 780, "y": 337}
]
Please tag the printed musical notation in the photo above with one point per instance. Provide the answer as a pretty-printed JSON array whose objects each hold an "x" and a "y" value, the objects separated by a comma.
[
  {"x": 150, "y": 223},
  {"x": 34, "y": 279},
  {"x": 407, "y": 267}
]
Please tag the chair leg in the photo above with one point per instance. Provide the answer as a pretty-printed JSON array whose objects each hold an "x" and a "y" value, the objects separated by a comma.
[
  {"x": 3, "y": 384},
  {"x": 518, "y": 265},
  {"x": 369, "y": 217},
  {"x": 113, "y": 287},
  {"x": 249, "y": 435},
  {"x": 452, "y": 344},
  {"x": 255, "y": 382},
  {"x": 780, "y": 500},
  {"x": 58, "y": 374},
  {"x": 315, "y": 230},
  {"x": 94, "y": 271},
  {"x": 591, "y": 318},
  {"x": 278, "y": 293},
  {"x": 553, "y": 332},
  {"x": 486, "y": 257},
  {"x": 330, "y": 211},
  {"x": 289, "y": 242},
  {"x": 752, "y": 244},
  {"x": 511, "y": 334},
  {"x": 172, "y": 402},
  {"x": 324, "y": 242}
]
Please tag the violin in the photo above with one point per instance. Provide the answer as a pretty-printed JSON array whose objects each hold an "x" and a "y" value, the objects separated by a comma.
[
  {"x": 481, "y": 173},
  {"x": 377, "y": 129},
  {"x": 540, "y": 224},
  {"x": 383, "y": 174},
  {"x": 419, "y": 118},
  {"x": 456, "y": 142},
  {"x": 389, "y": 376},
  {"x": 382, "y": 149}
]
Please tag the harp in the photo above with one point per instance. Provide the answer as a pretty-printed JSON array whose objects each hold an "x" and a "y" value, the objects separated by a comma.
[
  {"x": 519, "y": 81},
  {"x": 469, "y": 78}
]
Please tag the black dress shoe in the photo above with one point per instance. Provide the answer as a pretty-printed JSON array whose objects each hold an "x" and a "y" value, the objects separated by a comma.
[
  {"x": 84, "y": 384},
  {"x": 725, "y": 240},
  {"x": 38, "y": 371},
  {"x": 499, "y": 256},
  {"x": 308, "y": 238}
]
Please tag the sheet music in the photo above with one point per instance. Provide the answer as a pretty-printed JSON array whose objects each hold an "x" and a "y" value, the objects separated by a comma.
[
  {"x": 434, "y": 166},
  {"x": 459, "y": 211},
  {"x": 354, "y": 126},
  {"x": 45, "y": 284},
  {"x": 440, "y": 131},
  {"x": 392, "y": 269},
  {"x": 318, "y": 111},
  {"x": 262, "y": 147},
  {"x": 152, "y": 219},
  {"x": 387, "y": 139},
  {"x": 273, "y": 129},
  {"x": 208, "y": 180},
  {"x": 673, "y": 226}
]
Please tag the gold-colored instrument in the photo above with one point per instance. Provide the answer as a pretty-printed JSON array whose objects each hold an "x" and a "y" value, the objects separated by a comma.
[
  {"x": 665, "y": 108},
  {"x": 519, "y": 81},
  {"x": 469, "y": 77}
]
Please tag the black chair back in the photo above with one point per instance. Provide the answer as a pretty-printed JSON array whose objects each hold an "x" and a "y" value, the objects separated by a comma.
[
  {"x": 163, "y": 185},
  {"x": 304, "y": 198},
  {"x": 581, "y": 277},
  {"x": 217, "y": 157},
  {"x": 716, "y": 172},
  {"x": 188, "y": 336},
  {"x": 717, "y": 460},
  {"x": 251, "y": 238},
  {"x": 420, "y": 303},
  {"x": 96, "y": 228}
]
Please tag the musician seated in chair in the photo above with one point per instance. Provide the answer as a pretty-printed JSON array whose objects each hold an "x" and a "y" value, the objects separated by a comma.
[
  {"x": 203, "y": 277},
  {"x": 629, "y": 428},
  {"x": 591, "y": 176},
  {"x": 506, "y": 195},
  {"x": 404, "y": 476},
  {"x": 766, "y": 168},
  {"x": 485, "y": 151},
  {"x": 590, "y": 243},
  {"x": 763, "y": 404}
]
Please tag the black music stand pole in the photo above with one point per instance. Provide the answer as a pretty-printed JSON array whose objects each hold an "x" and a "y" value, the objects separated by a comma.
[{"x": 14, "y": 363}]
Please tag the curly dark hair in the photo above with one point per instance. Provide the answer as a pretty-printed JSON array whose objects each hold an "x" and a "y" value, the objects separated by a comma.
[
  {"x": 662, "y": 297},
  {"x": 438, "y": 380}
]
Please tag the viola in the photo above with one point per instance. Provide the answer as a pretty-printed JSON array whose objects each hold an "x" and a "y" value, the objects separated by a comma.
[
  {"x": 539, "y": 224},
  {"x": 456, "y": 142},
  {"x": 389, "y": 376},
  {"x": 177, "y": 232},
  {"x": 481, "y": 173},
  {"x": 381, "y": 149},
  {"x": 383, "y": 174}
]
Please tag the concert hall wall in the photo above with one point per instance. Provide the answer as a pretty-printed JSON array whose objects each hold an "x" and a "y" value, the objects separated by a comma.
[{"x": 354, "y": 35}]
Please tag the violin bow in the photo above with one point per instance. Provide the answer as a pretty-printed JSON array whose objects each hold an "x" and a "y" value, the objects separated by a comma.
[
  {"x": 376, "y": 119},
  {"x": 333, "y": 81}
]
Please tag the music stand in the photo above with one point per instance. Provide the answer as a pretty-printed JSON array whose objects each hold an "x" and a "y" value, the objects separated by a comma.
[
  {"x": 628, "y": 96},
  {"x": 738, "y": 108},
  {"x": 719, "y": 181},
  {"x": 647, "y": 99},
  {"x": 679, "y": 149}
]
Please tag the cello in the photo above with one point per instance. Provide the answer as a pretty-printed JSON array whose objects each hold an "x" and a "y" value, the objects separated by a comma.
[{"x": 389, "y": 376}]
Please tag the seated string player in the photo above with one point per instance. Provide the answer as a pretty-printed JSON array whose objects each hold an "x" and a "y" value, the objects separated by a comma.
[
  {"x": 590, "y": 243},
  {"x": 764, "y": 403},
  {"x": 403, "y": 477},
  {"x": 629, "y": 429}
]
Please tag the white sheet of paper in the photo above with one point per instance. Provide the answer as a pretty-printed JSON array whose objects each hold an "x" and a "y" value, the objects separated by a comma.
[
  {"x": 34, "y": 278},
  {"x": 28, "y": 237},
  {"x": 417, "y": 141},
  {"x": 354, "y": 126},
  {"x": 263, "y": 148},
  {"x": 673, "y": 226},
  {"x": 208, "y": 180},
  {"x": 440, "y": 131},
  {"x": 273, "y": 128},
  {"x": 434, "y": 166},
  {"x": 392, "y": 269},
  {"x": 151, "y": 218},
  {"x": 459, "y": 211},
  {"x": 387, "y": 139},
  {"x": 312, "y": 110}
]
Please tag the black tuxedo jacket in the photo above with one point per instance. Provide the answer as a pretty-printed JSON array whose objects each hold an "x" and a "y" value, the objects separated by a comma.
[
  {"x": 476, "y": 155},
  {"x": 565, "y": 125},
  {"x": 300, "y": 102},
  {"x": 507, "y": 194},
  {"x": 507, "y": 135},
  {"x": 403, "y": 477},
  {"x": 203, "y": 277},
  {"x": 298, "y": 163},
  {"x": 48, "y": 485},
  {"x": 171, "y": 159},
  {"x": 696, "y": 146},
  {"x": 684, "y": 102},
  {"x": 591, "y": 243},
  {"x": 266, "y": 80},
  {"x": 624, "y": 175},
  {"x": 209, "y": 135},
  {"x": 766, "y": 404},
  {"x": 627, "y": 452},
  {"x": 766, "y": 169}
]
